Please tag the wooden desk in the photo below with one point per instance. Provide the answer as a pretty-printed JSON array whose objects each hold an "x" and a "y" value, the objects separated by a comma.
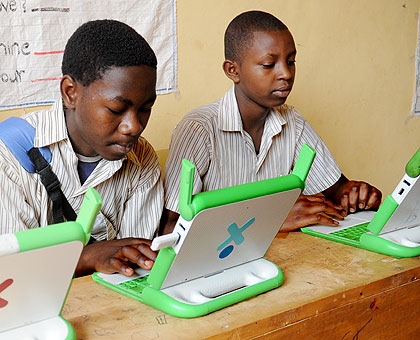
[{"x": 331, "y": 291}]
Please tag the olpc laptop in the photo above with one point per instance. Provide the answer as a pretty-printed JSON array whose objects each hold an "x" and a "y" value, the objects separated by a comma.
[
  {"x": 215, "y": 255},
  {"x": 36, "y": 270},
  {"x": 393, "y": 230}
]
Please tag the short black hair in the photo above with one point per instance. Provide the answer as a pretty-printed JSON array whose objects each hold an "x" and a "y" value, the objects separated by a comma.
[
  {"x": 99, "y": 45},
  {"x": 240, "y": 31}
]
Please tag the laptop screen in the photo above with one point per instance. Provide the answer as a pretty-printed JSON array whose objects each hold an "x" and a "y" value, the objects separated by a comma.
[{"x": 35, "y": 283}]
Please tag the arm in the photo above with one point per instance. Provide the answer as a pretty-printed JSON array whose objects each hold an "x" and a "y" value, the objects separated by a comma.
[
  {"x": 17, "y": 211},
  {"x": 197, "y": 151}
]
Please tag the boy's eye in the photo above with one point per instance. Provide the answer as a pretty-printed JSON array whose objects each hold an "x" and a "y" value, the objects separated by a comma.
[
  {"x": 115, "y": 112},
  {"x": 291, "y": 62},
  {"x": 267, "y": 65}
]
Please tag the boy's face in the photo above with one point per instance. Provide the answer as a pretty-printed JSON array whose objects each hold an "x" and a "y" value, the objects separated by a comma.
[
  {"x": 266, "y": 71},
  {"x": 108, "y": 116}
]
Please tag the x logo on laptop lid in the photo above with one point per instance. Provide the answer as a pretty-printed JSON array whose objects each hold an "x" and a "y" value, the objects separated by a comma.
[
  {"x": 236, "y": 235},
  {"x": 3, "y": 286}
]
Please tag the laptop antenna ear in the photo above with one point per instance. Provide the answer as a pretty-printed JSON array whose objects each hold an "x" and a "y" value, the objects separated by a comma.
[
  {"x": 186, "y": 208},
  {"x": 91, "y": 205},
  {"x": 413, "y": 166},
  {"x": 304, "y": 162}
]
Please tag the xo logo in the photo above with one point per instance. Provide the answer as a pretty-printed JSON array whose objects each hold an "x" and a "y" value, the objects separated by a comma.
[
  {"x": 235, "y": 236},
  {"x": 3, "y": 286}
]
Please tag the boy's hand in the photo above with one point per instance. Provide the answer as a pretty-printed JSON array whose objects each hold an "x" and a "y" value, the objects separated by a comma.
[
  {"x": 116, "y": 256},
  {"x": 312, "y": 209},
  {"x": 354, "y": 195}
]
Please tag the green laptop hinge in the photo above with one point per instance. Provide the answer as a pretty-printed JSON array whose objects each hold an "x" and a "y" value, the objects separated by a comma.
[
  {"x": 161, "y": 267},
  {"x": 413, "y": 166},
  {"x": 304, "y": 162},
  {"x": 383, "y": 214}
]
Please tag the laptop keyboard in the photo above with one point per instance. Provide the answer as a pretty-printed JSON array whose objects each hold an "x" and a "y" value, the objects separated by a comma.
[
  {"x": 352, "y": 233},
  {"x": 136, "y": 285}
]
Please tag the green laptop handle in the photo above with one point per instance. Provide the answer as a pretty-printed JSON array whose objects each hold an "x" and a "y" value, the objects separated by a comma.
[
  {"x": 190, "y": 205},
  {"x": 304, "y": 162},
  {"x": 91, "y": 205},
  {"x": 413, "y": 166},
  {"x": 186, "y": 207}
]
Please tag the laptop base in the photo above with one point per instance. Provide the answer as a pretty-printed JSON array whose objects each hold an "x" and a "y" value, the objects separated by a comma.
[
  {"x": 382, "y": 244},
  {"x": 206, "y": 294},
  {"x": 54, "y": 328}
]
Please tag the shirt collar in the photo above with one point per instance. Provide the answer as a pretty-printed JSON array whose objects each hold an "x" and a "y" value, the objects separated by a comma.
[
  {"x": 51, "y": 126},
  {"x": 229, "y": 118}
]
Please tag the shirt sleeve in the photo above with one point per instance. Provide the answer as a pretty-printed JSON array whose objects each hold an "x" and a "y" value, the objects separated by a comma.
[
  {"x": 325, "y": 170},
  {"x": 16, "y": 214},
  {"x": 191, "y": 141},
  {"x": 143, "y": 208}
]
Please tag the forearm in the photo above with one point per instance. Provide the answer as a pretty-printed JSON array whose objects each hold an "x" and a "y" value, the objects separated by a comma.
[{"x": 86, "y": 264}]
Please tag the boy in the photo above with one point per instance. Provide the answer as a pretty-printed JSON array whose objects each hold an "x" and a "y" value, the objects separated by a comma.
[
  {"x": 251, "y": 135},
  {"x": 93, "y": 133}
]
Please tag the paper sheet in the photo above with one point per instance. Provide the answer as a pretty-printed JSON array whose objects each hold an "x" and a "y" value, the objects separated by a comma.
[{"x": 33, "y": 34}]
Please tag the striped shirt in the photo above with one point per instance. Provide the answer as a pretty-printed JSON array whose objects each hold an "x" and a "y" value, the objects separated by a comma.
[
  {"x": 131, "y": 188},
  {"x": 212, "y": 137}
]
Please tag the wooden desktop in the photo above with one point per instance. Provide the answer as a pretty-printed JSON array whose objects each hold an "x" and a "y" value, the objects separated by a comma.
[{"x": 331, "y": 291}]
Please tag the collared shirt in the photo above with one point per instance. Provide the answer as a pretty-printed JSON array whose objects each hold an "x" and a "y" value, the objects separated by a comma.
[
  {"x": 131, "y": 188},
  {"x": 212, "y": 137}
]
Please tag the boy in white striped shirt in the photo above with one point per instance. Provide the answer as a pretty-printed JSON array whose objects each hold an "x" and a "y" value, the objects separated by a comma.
[
  {"x": 93, "y": 134},
  {"x": 251, "y": 134}
]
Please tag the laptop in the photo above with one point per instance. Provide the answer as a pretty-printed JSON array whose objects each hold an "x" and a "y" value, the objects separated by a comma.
[
  {"x": 393, "y": 230},
  {"x": 215, "y": 255},
  {"x": 36, "y": 270}
]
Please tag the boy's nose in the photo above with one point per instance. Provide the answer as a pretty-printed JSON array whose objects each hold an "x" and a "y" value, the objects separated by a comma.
[
  {"x": 284, "y": 72},
  {"x": 130, "y": 124}
]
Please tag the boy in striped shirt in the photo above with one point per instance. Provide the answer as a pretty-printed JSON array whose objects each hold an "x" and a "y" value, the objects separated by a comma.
[
  {"x": 93, "y": 134},
  {"x": 251, "y": 134}
]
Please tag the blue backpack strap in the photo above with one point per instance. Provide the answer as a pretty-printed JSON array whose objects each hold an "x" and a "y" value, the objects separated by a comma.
[{"x": 18, "y": 135}]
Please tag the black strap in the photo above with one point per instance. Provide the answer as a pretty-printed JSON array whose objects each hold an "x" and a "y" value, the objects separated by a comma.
[{"x": 61, "y": 207}]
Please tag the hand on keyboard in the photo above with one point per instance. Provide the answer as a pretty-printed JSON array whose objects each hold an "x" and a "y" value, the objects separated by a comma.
[
  {"x": 313, "y": 209},
  {"x": 116, "y": 256}
]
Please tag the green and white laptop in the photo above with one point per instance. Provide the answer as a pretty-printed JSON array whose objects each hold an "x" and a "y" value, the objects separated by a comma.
[
  {"x": 36, "y": 271},
  {"x": 393, "y": 230},
  {"x": 215, "y": 255}
]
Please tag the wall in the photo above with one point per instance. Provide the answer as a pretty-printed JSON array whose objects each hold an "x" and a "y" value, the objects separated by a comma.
[{"x": 354, "y": 83}]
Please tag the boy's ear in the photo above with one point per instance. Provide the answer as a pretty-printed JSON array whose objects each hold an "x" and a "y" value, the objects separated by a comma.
[
  {"x": 231, "y": 69},
  {"x": 69, "y": 87}
]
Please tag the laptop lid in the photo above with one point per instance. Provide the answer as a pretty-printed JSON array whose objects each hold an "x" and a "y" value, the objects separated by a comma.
[
  {"x": 229, "y": 235},
  {"x": 224, "y": 228},
  {"x": 35, "y": 283},
  {"x": 37, "y": 266}
]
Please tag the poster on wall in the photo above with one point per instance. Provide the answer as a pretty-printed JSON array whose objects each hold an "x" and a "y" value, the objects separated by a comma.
[{"x": 33, "y": 34}]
